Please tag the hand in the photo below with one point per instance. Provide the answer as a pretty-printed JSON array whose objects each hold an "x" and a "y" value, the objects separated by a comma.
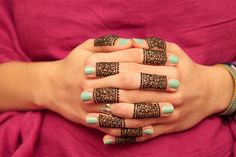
[
  {"x": 63, "y": 81},
  {"x": 193, "y": 101}
]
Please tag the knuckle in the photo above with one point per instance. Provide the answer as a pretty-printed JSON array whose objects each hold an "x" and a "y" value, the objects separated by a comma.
[
  {"x": 139, "y": 123},
  {"x": 178, "y": 99},
  {"x": 120, "y": 111},
  {"x": 85, "y": 84},
  {"x": 125, "y": 79},
  {"x": 175, "y": 117},
  {"x": 91, "y": 60}
]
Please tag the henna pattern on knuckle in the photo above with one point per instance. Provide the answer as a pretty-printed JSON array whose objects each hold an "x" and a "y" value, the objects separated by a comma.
[
  {"x": 106, "y": 108},
  {"x": 125, "y": 140},
  {"x": 104, "y": 69},
  {"x": 154, "y": 57},
  {"x": 106, "y": 95},
  {"x": 155, "y": 42},
  {"x": 146, "y": 110},
  {"x": 106, "y": 40},
  {"x": 153, "y": 81},
  {"x": 109, "y": 121},
  {"x": 131, "y": 132}
]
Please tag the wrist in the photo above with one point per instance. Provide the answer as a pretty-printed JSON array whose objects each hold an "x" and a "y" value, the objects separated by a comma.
[{"x": 220, "y": 88}]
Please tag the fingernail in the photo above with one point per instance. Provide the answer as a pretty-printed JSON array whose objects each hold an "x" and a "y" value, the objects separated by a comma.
[
  {"x": 89, "y": 70},
  {"x": 86, "y": 96},
  {"x": 91, "y": 120},
  {"x": 173, "y": 83},
  {"x": 108, "y": 141},
  {"x": 173, "y": 59},
  {"x": 167, "y": 109},
  {"x": 123, "y": 41},
  {"x": 139, "y": 41},
  {"x": 148, "y": 131}
]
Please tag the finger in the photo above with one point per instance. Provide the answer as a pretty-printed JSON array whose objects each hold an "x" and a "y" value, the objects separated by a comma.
[
  {"x": 134, "y": 55},
  {"x": 114, "y": 95},
  {"x": 128, "y": 132},
  {"x": 110, "y": 121},
  {"x": 158, "y": 130},
  {"x": 106, "y": 43},
  {"x": 155, "y": 43},
  {"x": 139, "y": 110},
  {"x": 132, "y": 81}
]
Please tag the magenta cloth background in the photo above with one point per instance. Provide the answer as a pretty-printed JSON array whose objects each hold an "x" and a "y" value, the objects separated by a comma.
[{"x": 45, "y": 30}]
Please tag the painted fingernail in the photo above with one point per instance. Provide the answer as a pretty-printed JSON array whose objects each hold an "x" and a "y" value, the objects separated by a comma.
[
  {"x": 173, "y": 59},
  {"x": 91, "y": 120},
  {"x": 173, "y": 83},
  {"x": 86, "y": 96},
  {"x": 89, "y": 70},
  {"x": 139, "y": 41},
  {"x": 167, "y": 109},
  {"x": 124, "y": 41},
  {"x": 148, "y": 131},
  {"x": 108, "y": 141}
]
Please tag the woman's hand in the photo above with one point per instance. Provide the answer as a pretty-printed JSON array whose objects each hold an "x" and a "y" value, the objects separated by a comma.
[{"x": 197, "y": 98}]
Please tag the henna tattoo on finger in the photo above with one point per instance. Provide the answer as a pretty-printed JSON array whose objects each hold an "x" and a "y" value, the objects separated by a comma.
[
  {"x": 104, "y": 69},
  {"x": 109, "y": 121},
  {"x": 153, "y": 81},
  {"x": 154, "y": 57},
  {"x": 131, "y": 132},
  {"x": 106, "y": 40},
  {"x": 125, "y": 140},
  {"x": 106, "y": 95},
  {"x": 155, "y": 42},
  {"x": 106, "y": 109},
  {"x": 146, "y": 110}
]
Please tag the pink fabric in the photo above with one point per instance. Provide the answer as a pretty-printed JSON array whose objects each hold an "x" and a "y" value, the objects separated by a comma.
[{"x": 45, "y": 30}]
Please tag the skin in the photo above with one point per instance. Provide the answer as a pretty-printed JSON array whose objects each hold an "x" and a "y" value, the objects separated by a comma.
[{"x": 34, "y": 86}]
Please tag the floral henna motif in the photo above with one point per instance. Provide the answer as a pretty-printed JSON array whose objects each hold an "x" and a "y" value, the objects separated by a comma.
[
  {"x": 154, "y": 57},
  {"x": 107, "y": 40},
  {"x": 106, "y": 108},
  {"x": 154, "y": 42},
  {"x": 146, "y": 110},
  {"x": 131, "y": 132},
  {"x": 109, "y": 121},
  {"x": 104, "y": 69},
  {"x": 125, "y": 140},
  {"x": 106, "y": 95},
  {"x": 152, "y": 81}
]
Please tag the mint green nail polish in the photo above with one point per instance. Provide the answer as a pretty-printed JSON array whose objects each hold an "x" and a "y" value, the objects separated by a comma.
[
  {"x": 86, "y": 96},
  {"x": 92, "y": 120},
  {"x": 173, "y": 84},
  {"x": 123, "y": 41},
  {"x": 89, "y": 70},
  {"x": 108, "y": 141},
  {"x": 139, "y": 41},
  {"x": 167, "y": 109},
  {"x": 148, "y": 131},
  {"x": 173, "y": 59}
]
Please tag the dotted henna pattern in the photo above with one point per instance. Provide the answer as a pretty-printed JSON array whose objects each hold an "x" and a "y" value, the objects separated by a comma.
[
  {"x": 154, "y": 57},
  {"x": 152, "y": 81},
  {"x": 157, "y": 43},
  {"x": 106, "y": 40},
  {"x": 106, "y": 95},
  {"x": 104, "y": 69},
  {"x": 109, "y": 121},
  {"x": 131, "y": 132},
  {"x": 125, "y": 140},
  {"x": 146, "y": 110}
]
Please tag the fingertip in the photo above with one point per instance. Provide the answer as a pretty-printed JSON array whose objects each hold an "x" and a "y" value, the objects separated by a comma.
[
  {"x": 148, "y": 130},
  {"x": 107, "y": 139}
]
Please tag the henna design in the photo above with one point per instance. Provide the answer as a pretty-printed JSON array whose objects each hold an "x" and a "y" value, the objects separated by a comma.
[
  {"x": 106, "y": 40},
  {"x": 106, "y": 95},
  {"x": 154, "y": 57},
  {"x": 106, "y": 109},
  {"x": 131, "y": 132},
  {"x": 104, "y": 69},
  {"x": 154, "y": 42},
  {"x": 109, "y": 121},
  {"x": 125, "y": 140},
  {"x": 146, "y": 110},
  {"x": 153, "y": 81}
]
